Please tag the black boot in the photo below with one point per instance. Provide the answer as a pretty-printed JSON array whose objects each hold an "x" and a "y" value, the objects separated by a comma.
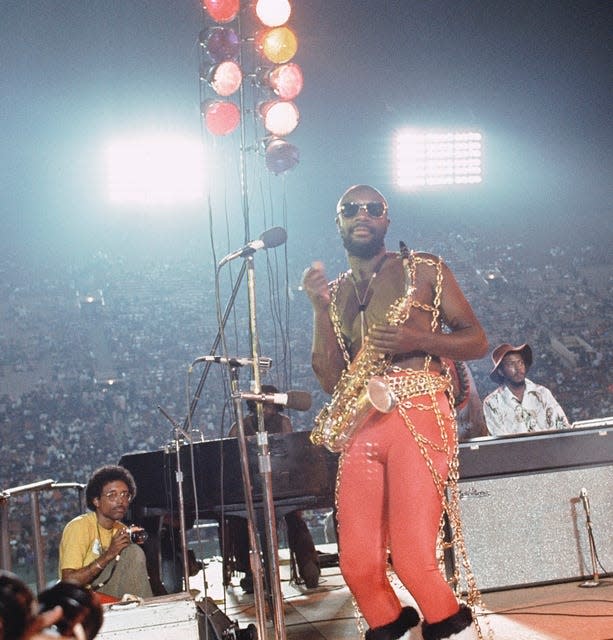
[
  {"x": 450, "y": 627},
  {"x": 407, "y": 619}
]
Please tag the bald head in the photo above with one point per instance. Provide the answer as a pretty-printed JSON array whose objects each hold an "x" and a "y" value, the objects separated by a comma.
[{"x": 362, "y": 221}]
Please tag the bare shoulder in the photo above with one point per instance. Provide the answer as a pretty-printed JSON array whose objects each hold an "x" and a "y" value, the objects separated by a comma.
[
  {"x": 424, "y": 256},
  {"x": 428, "y": 266}
]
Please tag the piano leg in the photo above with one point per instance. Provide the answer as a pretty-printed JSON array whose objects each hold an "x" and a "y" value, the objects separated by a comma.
[
  {"x": 235, "y": 550},
  {"x": 151, "y": 547},
  {"x": 302, "y": 549}
]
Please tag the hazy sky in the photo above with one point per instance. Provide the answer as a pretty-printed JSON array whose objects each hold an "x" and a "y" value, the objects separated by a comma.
[{"x": 534, "y": 76}]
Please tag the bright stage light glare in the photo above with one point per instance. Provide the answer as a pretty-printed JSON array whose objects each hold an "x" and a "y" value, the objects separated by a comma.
[
  {"x": 436, "y": 158},
  {"x": 281, "y": 117},
  {"x": 273, "y": 13},
  {"x": 154, "y": 169}
]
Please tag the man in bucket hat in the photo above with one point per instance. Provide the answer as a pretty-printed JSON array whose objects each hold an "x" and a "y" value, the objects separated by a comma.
[{"x": 519, "y": 405}]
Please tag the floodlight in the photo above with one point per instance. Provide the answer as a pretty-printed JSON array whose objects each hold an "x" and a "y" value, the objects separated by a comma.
[
  {"x": 222, "y": 10},
  {"x": 221, "y": 118},
  {"x": 280, "y": 116},
  {"x": 273, "y": 13},
  {"x": 279, "y": 45},
  {"x": 220, "y": 43},
  {"x": 154, "y": 169},
  {"x": 225, "y": 77},
  {"x": 435, "y": 158},
  {"x": 285, "y": 80},
  {"x": 281, "y": 156}
]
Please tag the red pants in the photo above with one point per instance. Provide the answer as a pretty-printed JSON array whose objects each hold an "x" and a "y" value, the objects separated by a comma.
[{"x": 386, "y": 497}]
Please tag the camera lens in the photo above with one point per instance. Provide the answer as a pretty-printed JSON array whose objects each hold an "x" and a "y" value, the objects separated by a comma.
[{"x": 138, "y": 537}]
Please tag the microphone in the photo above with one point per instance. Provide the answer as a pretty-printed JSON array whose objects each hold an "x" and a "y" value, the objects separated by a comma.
[
  {"x": 265, "y": 363},
  {"x": 267, "y": 240},
  {"x": 298, "y": 400},
  {"x": 585, "y": 501}
]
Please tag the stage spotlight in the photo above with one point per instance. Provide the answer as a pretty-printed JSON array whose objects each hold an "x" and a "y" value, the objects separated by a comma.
[
  {"x": 281, "y": 156},
  {"x": 225, "y": 77},
  {"x": 286, "y": 80},
  {"x": 280, "y": 117},
  {"x": 154, "y": 169},
  {"x": 222, "y": 10},
  {"x": 279, "y": 45},
  {"x": 437, "y": 158},
  {"x": 273, "y": 13},
  {"x": 220, "y": 43},
  {"x": 221, "y": 118}
]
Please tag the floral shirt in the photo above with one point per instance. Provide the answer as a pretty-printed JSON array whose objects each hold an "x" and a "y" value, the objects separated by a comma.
[{"x": 538, "y": 411}]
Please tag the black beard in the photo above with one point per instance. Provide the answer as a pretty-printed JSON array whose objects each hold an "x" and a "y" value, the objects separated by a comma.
[
  {"x": 515, "y": 385},
  {"x": 364, "y": 251}
]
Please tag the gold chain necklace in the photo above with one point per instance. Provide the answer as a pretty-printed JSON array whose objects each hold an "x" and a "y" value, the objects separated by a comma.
[{"x": 363, "y": 300}]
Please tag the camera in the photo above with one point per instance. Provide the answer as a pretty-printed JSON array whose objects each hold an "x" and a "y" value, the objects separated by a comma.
[
  {"x": 137, "y": 535},
  {"x": 79, "y": 606}
]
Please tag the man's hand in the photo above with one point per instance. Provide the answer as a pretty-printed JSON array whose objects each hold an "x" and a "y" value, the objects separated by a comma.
[
  {"x": 119, "y": 541},
  {"x": 315, "y": 283},
  {"x": 42, "y": 621}
]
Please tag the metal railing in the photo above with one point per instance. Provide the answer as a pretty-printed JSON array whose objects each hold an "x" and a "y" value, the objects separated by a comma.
[{"x": 34, "y": 489}]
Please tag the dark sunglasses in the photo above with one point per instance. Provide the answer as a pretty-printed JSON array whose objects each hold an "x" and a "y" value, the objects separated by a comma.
[{"x": 351, "y": 209}]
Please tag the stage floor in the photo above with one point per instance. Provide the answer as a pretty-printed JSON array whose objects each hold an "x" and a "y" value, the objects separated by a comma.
[{"x": 562, "y": 611}]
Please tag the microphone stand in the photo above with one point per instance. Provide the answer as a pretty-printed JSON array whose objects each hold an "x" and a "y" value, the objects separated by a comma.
[
  {"x": 179, "y": 476},
  {"x": 595, "y": 581},
  {"x": 255, "y": 555},
  {"x": 207, "y": 365},
  {"x": 264, "y": 466}
]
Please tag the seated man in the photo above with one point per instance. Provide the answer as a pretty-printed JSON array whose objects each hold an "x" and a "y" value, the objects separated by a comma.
[
  {"x": 519, "y": 405},
  {"x": 236, "y": 536},
  {"x": 96, "y": 549}
]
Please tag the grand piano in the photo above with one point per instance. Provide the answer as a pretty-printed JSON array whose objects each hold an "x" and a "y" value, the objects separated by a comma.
[
  {"x": 513, "y": 488},
  {"x": 303, "y": 476}
]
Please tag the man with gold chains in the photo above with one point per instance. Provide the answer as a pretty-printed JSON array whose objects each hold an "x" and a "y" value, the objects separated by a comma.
[{"x": 393, "y": 473}]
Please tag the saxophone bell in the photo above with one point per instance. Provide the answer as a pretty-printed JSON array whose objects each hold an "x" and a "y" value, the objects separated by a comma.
[
  {"x": 376, "y": 397},
  {"x": 380, "y": 396}
]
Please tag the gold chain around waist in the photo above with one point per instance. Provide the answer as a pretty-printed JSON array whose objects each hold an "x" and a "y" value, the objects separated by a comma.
[{"x": 408, "y": 384}]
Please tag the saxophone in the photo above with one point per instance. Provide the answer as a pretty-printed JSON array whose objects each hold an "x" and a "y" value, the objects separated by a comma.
[{"x": 361, "y": 391}]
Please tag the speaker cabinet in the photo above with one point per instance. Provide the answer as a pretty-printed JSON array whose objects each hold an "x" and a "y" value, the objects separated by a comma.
[{"x": 532, "y": 528}]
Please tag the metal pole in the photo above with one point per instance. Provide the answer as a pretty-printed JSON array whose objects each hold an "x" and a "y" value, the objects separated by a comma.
[
  {"x": 5, "y": 547},
  {"x": 265, "y": 467},
  {"x": 255, "y": 553},
  {"x": 39, "y": 554},
  {"x": 179, "y": 478}
]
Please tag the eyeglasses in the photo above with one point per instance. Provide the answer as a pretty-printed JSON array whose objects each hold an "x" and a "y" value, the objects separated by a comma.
[
  {"x": 351, "y": 209},
  {"x": 116, "y": 496}
]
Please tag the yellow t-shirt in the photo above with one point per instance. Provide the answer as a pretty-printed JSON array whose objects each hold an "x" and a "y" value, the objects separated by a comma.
[{"x": 84, "y": 541}]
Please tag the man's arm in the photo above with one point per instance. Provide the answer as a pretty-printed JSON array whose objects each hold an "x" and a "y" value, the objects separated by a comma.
[
  {"x": 553, "y": 408},
  {"x": 326, "y": 355},
  {"x": 73, "y": 556}
]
